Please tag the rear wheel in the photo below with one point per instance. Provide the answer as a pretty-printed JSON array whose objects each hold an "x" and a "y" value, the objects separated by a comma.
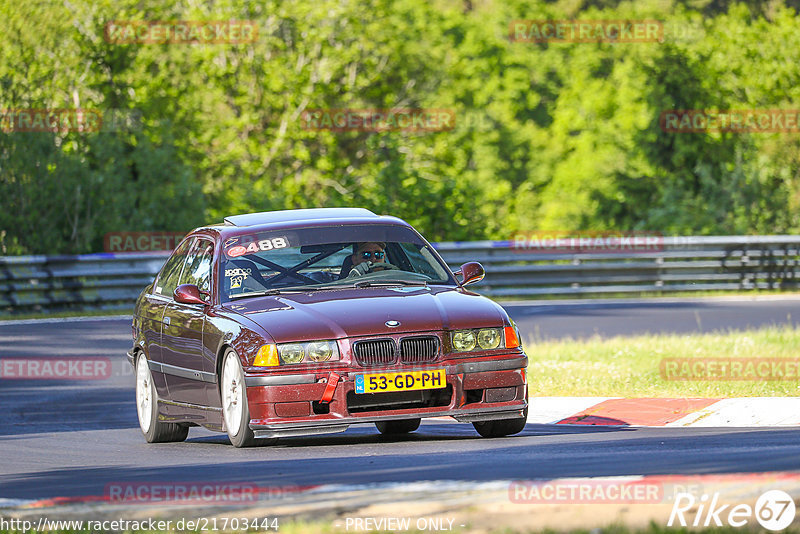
[
  {"x": 501, "y": 427},
  {"x": 403, "y": 426},
  {"x": 154, "y": 431},
  {"x": 234, "y": 402}
]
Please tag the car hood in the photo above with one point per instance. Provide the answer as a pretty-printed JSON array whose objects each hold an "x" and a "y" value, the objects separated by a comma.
[{"x": 361, "y": 312}]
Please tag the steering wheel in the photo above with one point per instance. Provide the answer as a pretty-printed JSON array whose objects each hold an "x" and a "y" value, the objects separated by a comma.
[
  {"x": 356, "y": 271},
  {"x": 382, "y": 265}
]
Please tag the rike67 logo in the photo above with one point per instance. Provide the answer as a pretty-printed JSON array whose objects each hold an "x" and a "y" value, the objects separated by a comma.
[{"x": 774, "y": 510}]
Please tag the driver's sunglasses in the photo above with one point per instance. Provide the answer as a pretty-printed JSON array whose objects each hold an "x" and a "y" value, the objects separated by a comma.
[{"x": 367, "y": 255}]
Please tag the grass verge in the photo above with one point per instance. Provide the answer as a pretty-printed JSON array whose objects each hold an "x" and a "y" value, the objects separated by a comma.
[{"x": 632, "y": 366}]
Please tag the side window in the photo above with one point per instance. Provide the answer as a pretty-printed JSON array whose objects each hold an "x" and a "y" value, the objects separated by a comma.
[
  {"x": 423, "y": 262},
  {"x": 198, "y": 265},
  {"x": 171, "y": 272}
]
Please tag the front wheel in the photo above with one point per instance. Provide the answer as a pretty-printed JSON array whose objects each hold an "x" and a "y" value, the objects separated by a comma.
[
  {"x": 234, "y": 402},
  {"x": 154, "y": 431},
  {"x": 501, "y": 427}
]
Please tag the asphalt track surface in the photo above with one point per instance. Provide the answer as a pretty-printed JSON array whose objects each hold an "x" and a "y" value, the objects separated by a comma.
[
  {"x": 71, "y": 439},
  {"x": 554, "y": 320}
]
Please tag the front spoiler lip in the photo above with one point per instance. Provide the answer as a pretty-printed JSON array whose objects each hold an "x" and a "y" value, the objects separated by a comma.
[
  {"x": 331, "y": 427},
  {"x": 481, "y": 366}
]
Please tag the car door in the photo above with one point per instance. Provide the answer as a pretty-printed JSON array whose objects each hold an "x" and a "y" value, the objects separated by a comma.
[
  {"x": 187, "y": 373},
  {"x": 152, "y": 313}
]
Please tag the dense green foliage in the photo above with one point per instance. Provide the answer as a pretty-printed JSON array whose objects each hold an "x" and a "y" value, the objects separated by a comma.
[{"x": 548, "y": 135}]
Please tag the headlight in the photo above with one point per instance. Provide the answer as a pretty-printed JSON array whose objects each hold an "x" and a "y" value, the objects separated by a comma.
[
  {"x": 489, "y": 338},
  {"x": 291, "y": 352},
  {"x": 320, "y": 351},
  {"x": 482, "y": 339},
  {"x": 312, "y": 351},
  {"x": 464, "y": 340}
]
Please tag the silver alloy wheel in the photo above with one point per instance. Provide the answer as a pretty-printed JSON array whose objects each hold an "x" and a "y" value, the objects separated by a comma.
[
  {"x": 232, "y": 393},
  {"x": 144, "y": 396}
]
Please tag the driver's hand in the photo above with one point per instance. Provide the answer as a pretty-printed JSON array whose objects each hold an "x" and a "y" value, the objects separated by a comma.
[{"x": 360, "y": 269}]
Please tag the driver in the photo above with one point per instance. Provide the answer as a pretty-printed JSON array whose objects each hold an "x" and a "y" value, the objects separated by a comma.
[{"x": 366, "y": 255}]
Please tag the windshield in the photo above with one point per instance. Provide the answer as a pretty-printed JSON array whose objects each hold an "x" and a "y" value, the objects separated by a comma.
[{"x": 327, "y": 257}]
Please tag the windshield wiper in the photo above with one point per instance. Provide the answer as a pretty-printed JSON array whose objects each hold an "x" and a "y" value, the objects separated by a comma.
[
  {"x": 256, "y": 294},
  {"x": 389, "y": 283},
  {"x": 273, "y": 291}
]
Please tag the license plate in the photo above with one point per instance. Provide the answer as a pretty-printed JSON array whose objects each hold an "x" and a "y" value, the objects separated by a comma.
[{"x": 407, "y": 381}]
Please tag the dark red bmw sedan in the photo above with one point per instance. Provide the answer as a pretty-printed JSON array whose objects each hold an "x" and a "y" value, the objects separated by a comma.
[{"x": 300, "y": 322}]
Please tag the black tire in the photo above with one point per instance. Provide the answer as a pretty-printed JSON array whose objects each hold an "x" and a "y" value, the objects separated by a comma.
[
  {"x": 154, "y": 431},
  {"x": 237, "y": 422},
  {"x": 403, "y": 426},
  {"x": 501, "y": 427}
]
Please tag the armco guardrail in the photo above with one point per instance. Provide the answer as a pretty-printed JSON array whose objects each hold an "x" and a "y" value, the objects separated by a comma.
[
  {"x": 113, "y": 281},
  {"x": 90, "y": 281},
  {"x": 678, "y": 264}
]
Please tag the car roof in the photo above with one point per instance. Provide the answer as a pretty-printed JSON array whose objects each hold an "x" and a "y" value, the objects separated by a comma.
[
  {"x": 286, "y": 219},
  {"x": 272, "y": 217}
]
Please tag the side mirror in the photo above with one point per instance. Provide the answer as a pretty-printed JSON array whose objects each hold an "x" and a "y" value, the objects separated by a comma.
[
  {"x": 188, "y": 294},
  {"x": 471, "y": 272}
]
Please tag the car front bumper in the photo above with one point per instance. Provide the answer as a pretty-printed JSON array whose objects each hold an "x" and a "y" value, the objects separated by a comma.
[{"x": 476, "y": 390}]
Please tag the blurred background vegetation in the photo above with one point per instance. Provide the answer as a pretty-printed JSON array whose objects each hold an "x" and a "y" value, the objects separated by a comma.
[{"x": 549, "y": 136}]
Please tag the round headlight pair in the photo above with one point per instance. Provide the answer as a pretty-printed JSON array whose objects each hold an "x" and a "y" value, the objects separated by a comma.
[
  {"x": 317, "y": 351},
  {"x": 485, "y": 338}
]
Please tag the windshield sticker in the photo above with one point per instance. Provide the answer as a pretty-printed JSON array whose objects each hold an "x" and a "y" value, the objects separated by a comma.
[
  {"x": 260, "y": 246},
  {"x": 237, "y": 276},
  {"x": 230, "y": 241}
]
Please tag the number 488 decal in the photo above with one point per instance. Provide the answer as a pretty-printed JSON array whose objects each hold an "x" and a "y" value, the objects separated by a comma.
[{"x": 257, "y": 246}]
